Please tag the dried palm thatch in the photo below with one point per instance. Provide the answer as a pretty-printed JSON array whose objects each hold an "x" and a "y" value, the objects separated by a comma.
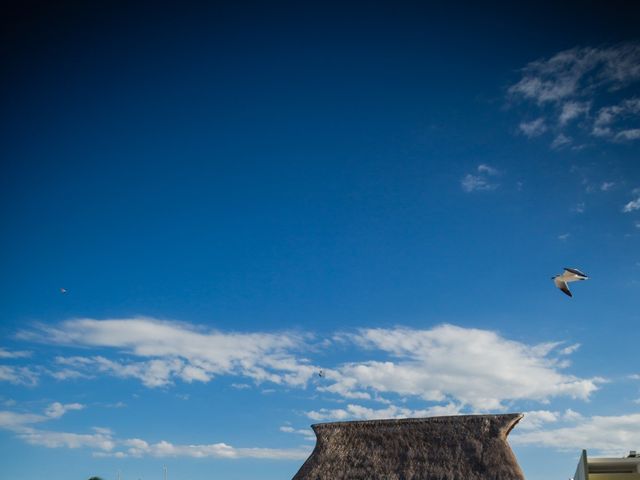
[{"x": 464, "y": 447}]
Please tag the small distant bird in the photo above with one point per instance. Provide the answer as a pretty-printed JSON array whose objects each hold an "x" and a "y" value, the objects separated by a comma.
[
  {"x": 63, "y": 290},
  {"x": 321, "y": 373},
  {"x": 569, "y": 275}
]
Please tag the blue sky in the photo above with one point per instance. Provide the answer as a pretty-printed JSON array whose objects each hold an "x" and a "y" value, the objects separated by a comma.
[{"x": 237, "y": 197}]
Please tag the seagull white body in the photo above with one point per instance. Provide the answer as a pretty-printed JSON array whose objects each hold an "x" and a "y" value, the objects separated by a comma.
[{"x": 569, "y": 275}]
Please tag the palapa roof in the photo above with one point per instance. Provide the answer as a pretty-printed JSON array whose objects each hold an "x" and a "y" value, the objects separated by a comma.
[{"x": 463, "y": 447}]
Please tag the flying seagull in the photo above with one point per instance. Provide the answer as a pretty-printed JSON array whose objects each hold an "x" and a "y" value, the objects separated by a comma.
[{"x": 569, "y": 275}]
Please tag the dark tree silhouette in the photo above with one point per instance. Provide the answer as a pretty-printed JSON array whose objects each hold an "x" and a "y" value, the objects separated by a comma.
[{"x": 95, "y": 478}]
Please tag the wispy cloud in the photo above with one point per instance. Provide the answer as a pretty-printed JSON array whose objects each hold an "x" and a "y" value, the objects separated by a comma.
[
  {"x": 480, "y": 181},
  {"x": 20, "y": 422},
  {"x": 104, "y": 443},
  {"x": 4, "y": 353},
  {"x": 240, "y": 386},
  {"x": 631, "y": 134},
  {"x": 472, "y": 183},
  {"x": 16, "y": 421},
  {"x": 171, "y": 350},
  {"x": 472, "y": 367},
  {"x": 605, "y": 435},
  {"x": 632, "y": 206},
  {"x": 137, "y": 447},
  {"x": 579, "y": 207},
  {"x": 307, "y": 433},
  {"x": 577, "y": 71},
  {"x": 560, "y": 141},
  {"x": 607, "y": 117},
  {"x": 57, "y": 409},
  {"x": 533, "y": 128},
  {"x": 18, "y": 375},
  {"x": 45, "y": 438},
  {"x": 489, "y": 170},
  {"x": 359, "y": 412},
  {"x": 572, "y": 110},
  {"x": 579, "y": 89},
  {"x": 443, "y": 365},
  {"x": 536, "y": 419}
]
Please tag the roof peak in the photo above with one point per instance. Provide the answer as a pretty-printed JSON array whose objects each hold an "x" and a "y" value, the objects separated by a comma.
[{"x": 443, "y": 418}]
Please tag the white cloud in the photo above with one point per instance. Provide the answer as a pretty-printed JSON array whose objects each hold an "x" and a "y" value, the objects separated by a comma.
[
  {"x": 152, "y": 373},
  {"x": 18, "y": 375},
  {"x": 307, "y": 433},
  {"x": 174, "y": 350},
  {"x": 480, "y": 181},
  {"x": 533, "y": 128},
  {"x": 632, "y": 206},
  {"x": 579, "y": 208},
  {"x": 489, "y": 170},
  {"x": 564, "y": 236},
  {"x": 142, "y": 448},
  {"x": 359, "y": 412},
  {"x": 603, "y": 126},
  {"x": 572, "y": 416},
  {"x": 605, "y": 435},
  {"x": 470, "y": 367},
  {"x": 240, "y": 386},
  {"x": 68, "y": 374},
  {"x": 606, "y": 186},
  {"x": 190, "y": 373},
  {"x": 104, "y": 443},
  {"x": 4, "y": 353},
  {"x": 17, "y": 421},
  {"x": 51, "y": 439},
  {"x": 570, "y": 431},
  {"x": 560, "y": 141},
  {"x": 473, "y": 367},
  {"x": 103, "y": 430},
  {"x": 631, "y": 134},
  {"x": 572, "y": 110},
  {"x": 578, "y": 70},
  {"x": 570, "y": 349},
  {"x": 567, "y": 85},
  {"x": 472, "y": 183},
  {"x": 535, "y": 419},
  {"x": 57, "y": 409}
]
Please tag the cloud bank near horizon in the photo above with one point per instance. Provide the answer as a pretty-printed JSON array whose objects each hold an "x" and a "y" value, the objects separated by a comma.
[{"x": 473, "y": 369}]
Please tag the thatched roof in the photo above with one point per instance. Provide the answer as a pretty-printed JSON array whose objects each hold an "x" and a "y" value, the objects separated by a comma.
[{"x": 464, "y": 447}]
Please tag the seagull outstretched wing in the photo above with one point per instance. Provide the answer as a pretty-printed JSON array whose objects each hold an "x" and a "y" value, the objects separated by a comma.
[
  {"x": 562, "y": 285},
  {"x": 575, "y": 272}
]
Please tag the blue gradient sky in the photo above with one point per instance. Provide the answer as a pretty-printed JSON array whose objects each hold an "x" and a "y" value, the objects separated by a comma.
[{"x": 298, "y": 177}]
